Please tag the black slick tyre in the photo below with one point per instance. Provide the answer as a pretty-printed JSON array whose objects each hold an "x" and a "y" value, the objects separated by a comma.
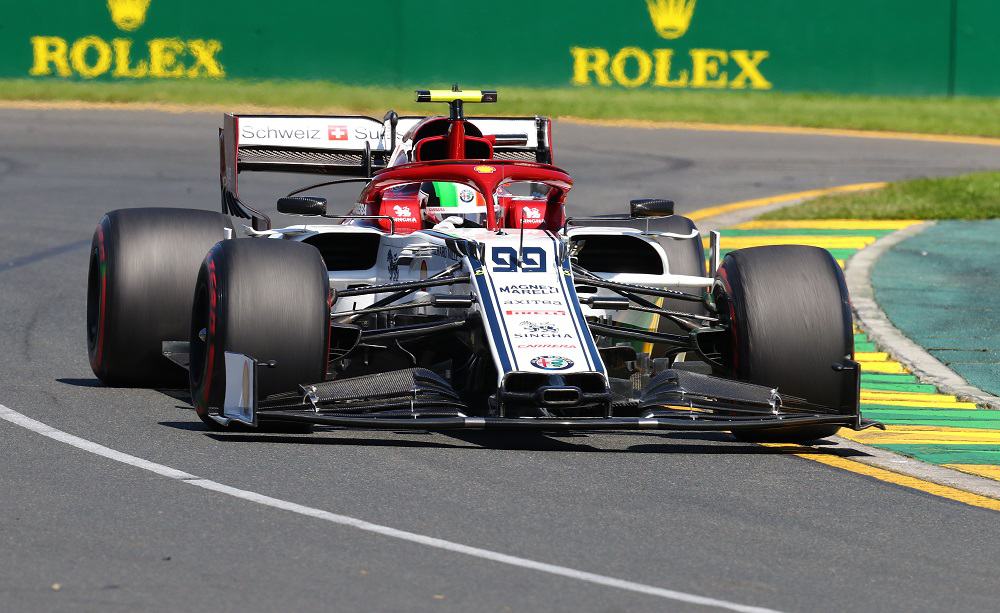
[
  {"x": 143, "y": 267},
  {"x": 788, "y": 309},
  {"x": 265, "y": 298}
]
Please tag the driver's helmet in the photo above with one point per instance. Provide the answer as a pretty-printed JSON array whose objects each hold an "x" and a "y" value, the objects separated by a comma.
[{"x": 441, "y": 200}]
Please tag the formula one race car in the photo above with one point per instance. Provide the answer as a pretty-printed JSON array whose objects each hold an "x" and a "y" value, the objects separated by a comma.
[{"x": 456, "y": 293}]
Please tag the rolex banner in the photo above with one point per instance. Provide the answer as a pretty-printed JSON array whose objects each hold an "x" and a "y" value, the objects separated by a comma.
[{"x": 914, "y": 47}]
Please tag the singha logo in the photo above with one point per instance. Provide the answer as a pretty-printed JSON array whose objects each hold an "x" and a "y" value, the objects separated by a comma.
[
  {"x": 536, "y": 328},
  {"x": 128, "y": 15},
  {"x": 671, "y": 18}
]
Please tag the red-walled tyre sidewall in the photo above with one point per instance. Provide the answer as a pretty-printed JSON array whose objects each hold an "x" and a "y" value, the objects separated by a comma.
[
  {"x": 264, "y": 298},
  {"x": 790, "y": 319},
  {"x": 143, "y": 267}
]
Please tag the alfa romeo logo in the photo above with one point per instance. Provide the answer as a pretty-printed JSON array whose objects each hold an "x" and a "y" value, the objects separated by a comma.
[{"x": 552, "y": 362}]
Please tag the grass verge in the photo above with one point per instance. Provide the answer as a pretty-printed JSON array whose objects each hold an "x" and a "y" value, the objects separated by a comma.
[
  {"x": 971, "y": 196},
  {"x": 959, "y": 116}
]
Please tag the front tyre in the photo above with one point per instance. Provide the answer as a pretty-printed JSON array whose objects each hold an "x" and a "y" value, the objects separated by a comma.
[
  {"x": 265, "y": 298},
  {"x": 790, "y": 319}
]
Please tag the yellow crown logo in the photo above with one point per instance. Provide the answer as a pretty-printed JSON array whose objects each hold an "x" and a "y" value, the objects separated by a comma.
[
  {"x": 671, "y": 18},
  {"x": 128, "y": 15}
]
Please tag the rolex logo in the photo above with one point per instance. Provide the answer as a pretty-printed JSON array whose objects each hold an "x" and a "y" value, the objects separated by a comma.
[
  {"x": 91, "y": 56},
  {"x": 671, "y": 18},
  {"x": 128, "y": 15}
]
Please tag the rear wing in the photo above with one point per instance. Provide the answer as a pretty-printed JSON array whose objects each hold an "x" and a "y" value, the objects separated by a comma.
[{"x": 346, "y": 145}]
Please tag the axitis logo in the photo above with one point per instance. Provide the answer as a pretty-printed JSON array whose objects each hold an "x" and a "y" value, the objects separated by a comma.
[{"x": 91, "y": 56}]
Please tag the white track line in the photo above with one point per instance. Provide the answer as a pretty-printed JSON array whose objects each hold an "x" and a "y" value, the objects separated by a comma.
[{"x": 24, "y": 421}]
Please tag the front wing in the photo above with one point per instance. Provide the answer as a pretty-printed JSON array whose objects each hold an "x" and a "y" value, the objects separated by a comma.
[{"x": 419, "y": 399}]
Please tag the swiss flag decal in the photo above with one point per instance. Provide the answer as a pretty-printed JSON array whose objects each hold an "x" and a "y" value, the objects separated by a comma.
[{"x": 336, "y": 132}]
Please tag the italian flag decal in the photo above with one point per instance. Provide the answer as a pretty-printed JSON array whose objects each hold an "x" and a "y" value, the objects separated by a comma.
[{"x": 456, "y": 195}]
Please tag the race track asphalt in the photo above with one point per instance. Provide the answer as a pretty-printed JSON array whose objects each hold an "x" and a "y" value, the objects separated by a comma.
[{"x": 689, "y": 512}]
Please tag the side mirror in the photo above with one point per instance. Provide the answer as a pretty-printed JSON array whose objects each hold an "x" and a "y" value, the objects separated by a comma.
[
  {"x": 651, "y": 207},
  {"x": 302, "y": 205}
]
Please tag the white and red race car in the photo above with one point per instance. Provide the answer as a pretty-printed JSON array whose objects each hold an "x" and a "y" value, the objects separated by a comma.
[{"x": 455, "y": 292}]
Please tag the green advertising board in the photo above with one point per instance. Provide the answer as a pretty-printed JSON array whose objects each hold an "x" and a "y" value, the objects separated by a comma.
[{"x": 913, "y": 47}]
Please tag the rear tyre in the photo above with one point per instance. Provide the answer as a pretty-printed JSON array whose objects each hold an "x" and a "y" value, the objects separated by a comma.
[
  {"x": 143, "y": 268},
  {"x": 265, "y": 298},
  {"x": 684, "y": 257},
  {"x": 790, "y": 315}
]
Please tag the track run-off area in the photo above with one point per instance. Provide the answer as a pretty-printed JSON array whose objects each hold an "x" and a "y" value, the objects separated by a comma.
[{"x": 98, "y": 512}]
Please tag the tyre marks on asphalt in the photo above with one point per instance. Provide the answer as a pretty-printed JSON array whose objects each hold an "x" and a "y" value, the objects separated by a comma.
[{"x": 42, "y": 255}]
